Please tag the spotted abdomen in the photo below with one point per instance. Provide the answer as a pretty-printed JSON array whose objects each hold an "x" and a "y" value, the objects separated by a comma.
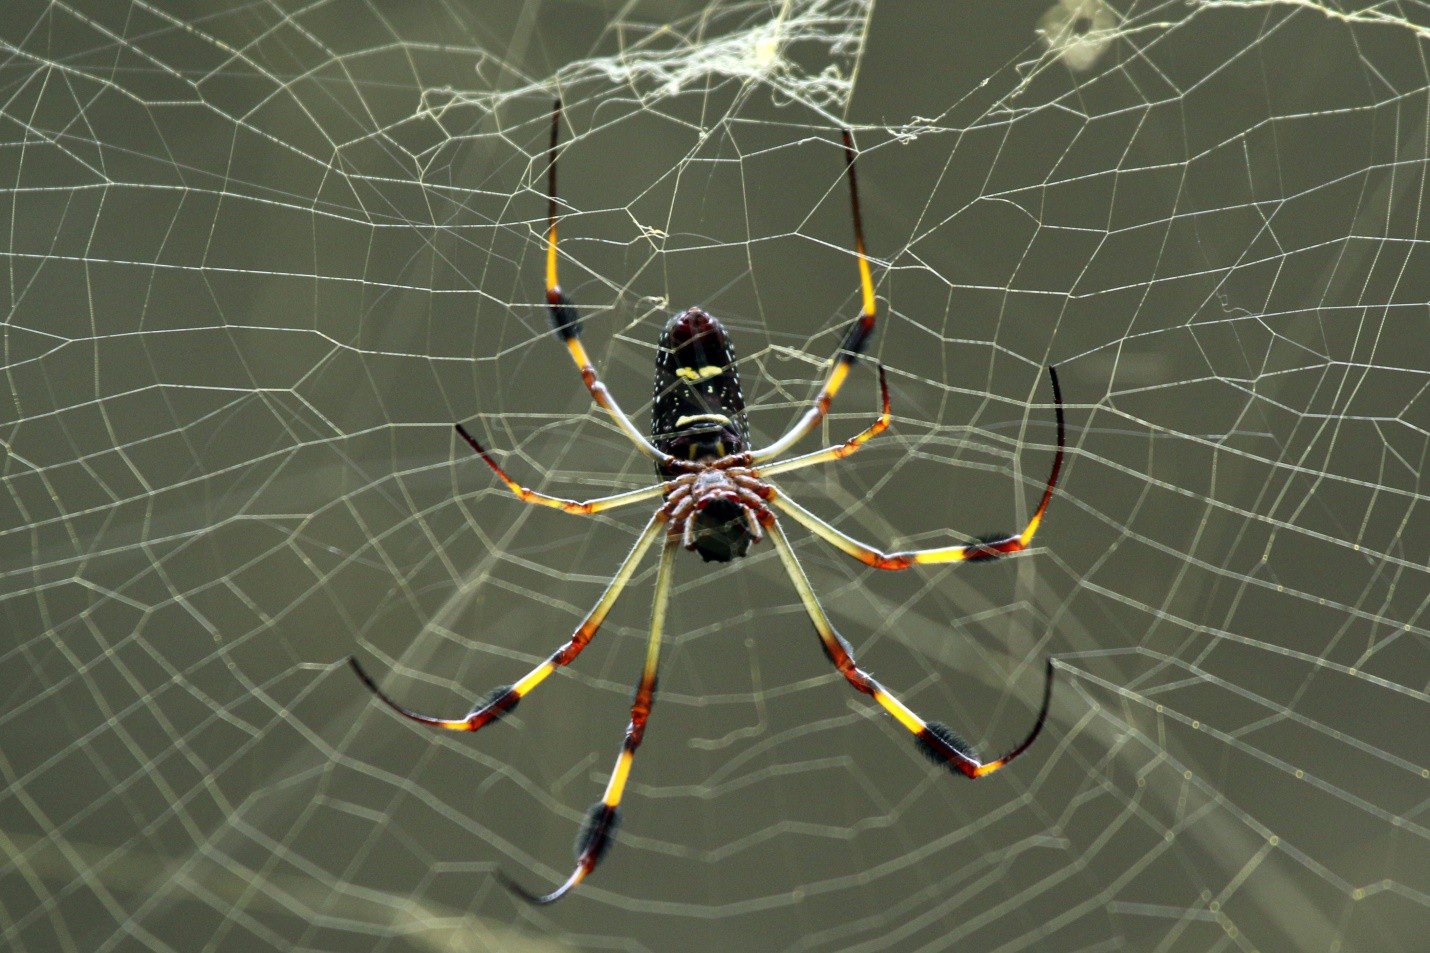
[{"x": 699, "y": 410}]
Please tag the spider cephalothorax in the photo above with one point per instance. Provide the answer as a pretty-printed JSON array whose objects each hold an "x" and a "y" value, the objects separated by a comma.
[
  {"x": 717, "y": 499},
  {"x": 717, "y": 507}
]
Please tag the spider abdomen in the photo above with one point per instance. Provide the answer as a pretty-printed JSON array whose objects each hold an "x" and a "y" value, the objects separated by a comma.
[{"x": 698, "y": 409}]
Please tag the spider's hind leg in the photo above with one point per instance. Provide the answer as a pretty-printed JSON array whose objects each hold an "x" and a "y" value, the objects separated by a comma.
[
  {"x": 935, "y": 740},
  {"x": 602, "y": 818},
  {"x": 504, "y": 698}
]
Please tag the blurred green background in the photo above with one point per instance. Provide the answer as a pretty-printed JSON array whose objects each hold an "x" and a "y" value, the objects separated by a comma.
[{"x": 259, "y": 258}]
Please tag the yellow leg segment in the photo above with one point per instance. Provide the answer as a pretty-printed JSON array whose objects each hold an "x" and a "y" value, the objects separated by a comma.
[
  {"x": 842, "y": 450},
  {"x": 578, "y": 507}
]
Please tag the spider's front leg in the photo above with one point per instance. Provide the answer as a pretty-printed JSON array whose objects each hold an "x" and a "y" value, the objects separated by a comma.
[
  {"x": 579, "y": 507},
  {"x": 566, "y": 323},
  {"x": 856, "y": 338}
]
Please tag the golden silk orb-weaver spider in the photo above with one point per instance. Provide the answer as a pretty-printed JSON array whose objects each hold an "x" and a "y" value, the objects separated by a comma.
[{"x": 717, "y": 500}]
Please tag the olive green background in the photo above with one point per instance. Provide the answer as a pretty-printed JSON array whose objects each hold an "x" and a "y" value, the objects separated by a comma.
[{"x": 259, "y": 258}]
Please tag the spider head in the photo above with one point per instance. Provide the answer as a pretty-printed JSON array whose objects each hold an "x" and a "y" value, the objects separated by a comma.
[{"x": 720, "y": 529}]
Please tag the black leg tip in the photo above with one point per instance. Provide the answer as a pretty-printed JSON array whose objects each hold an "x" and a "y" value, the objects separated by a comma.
[
  {"x": 518, "y": 890},
  {"x": 362, "y": 675}
]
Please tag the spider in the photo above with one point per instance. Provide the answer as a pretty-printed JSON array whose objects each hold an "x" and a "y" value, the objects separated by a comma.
[{"x": 718, "y": 501}]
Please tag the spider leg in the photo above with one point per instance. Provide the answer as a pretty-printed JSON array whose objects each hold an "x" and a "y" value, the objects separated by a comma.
[
  {"x": 982, "y": 549},
  {"x": 503, "y": 698},
  {"x": 603, "y": 816},
  {"x": 934, "y": 739},
  {"x": 570, "y": 506},
  {"x": 855, "y": 339},
  {"x": 842, "y": 450},
  {"x": 566, "y": 323}
]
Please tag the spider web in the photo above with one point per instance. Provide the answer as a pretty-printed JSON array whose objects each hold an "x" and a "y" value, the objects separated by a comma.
[{"x": 259, "y": 257}]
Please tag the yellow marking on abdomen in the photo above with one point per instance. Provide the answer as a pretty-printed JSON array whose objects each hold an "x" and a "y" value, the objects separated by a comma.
[
  {"x": 716, "y": 418},
  {"x": 695, "y": 375}
]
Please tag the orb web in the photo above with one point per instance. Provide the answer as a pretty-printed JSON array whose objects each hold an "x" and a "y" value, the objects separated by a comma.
[{"x": 259, "y": 260}]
